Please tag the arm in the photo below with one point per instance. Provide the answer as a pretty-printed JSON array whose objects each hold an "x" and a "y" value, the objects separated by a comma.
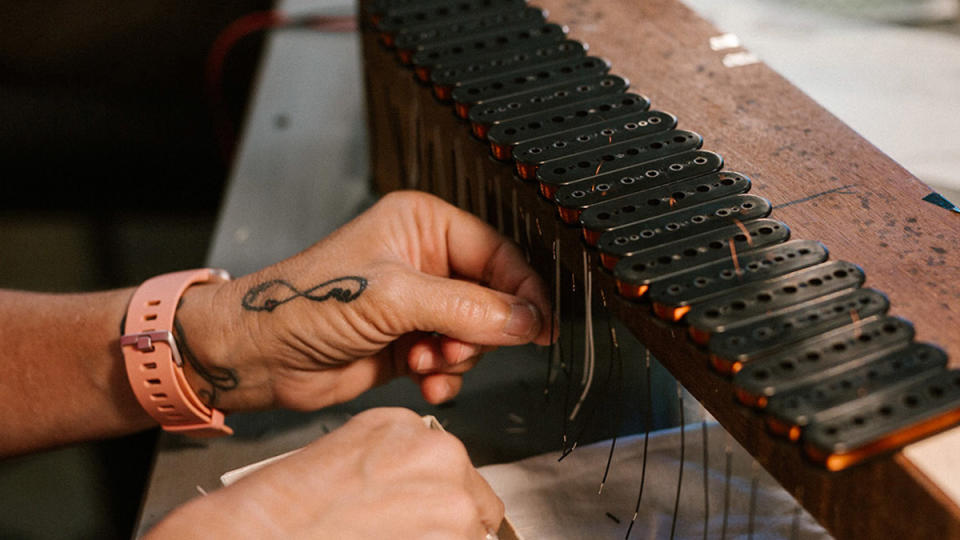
[
  {"x": 373, "y": 301},
  {"x": 61, "y": 373}
]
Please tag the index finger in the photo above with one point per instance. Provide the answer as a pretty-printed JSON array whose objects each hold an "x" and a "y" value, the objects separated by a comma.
[{"x": 476, "y": 251}]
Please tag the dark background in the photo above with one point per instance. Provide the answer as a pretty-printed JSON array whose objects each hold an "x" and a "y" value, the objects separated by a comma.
[{"x": 110, "y": 173}]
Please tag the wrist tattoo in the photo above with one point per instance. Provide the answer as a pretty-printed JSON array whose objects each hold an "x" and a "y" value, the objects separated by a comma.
[
  {"x": 270, "y": 295},
  {"x": 219, "y": 378}
]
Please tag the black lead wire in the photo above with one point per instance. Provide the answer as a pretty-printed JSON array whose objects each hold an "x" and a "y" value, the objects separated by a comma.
[
  {"x": 754, "y": 482},
  {"x": 795, "y": 526},
  {"x": 726, "y": 491},
  {"x": 706, "y": 478},
  {"x": 676, "y": 502},
  {"x": 554, "y": 314},
  {"x": 648, "y": 419},
  {"x": 568, "y": 368},
  {"x": 619, "y": 403}
]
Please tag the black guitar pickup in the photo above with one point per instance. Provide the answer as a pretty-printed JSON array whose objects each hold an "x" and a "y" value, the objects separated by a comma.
[
  {"x": 674, "y": 226},
  {"x": 512, "y": 83},
  {"x": 789, "y": 414},
  {"x": 730, "y": 350},
  {"x": 885, "y": 420},
  {"x": 395, "y": 18},
  {"x": 549, "y": 117},
  {"x": 445, "y": 78},
  {"x": 757, "y": 300},
  {"x": 531, "y": 155},
  {"x": 600, "y": 218},
  {"x": 672, "y": 298},
  {"x": 573, "y": 198},
  {"x": 820, "y": 358},
  {"x": 412, "y": 39},
  {"x": 484, "y": 117},
  {"x": 493, "y": 43},
  {"x": 617, "y": 157},
  {"x": 635, "y": 274}
]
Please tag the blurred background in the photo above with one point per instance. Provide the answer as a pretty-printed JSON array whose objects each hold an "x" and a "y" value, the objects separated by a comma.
[{"x": 111, "y": 170}]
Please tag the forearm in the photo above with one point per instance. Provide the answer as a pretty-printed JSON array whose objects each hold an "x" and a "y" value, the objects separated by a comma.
[{"x": 62, "y": 377}]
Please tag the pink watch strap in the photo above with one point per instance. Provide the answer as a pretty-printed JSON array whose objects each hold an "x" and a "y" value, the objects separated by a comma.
[{"x": 154, "y": 365}]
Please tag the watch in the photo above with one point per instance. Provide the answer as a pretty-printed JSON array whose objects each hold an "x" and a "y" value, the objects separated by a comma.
[{"x": 153, "y": 362}]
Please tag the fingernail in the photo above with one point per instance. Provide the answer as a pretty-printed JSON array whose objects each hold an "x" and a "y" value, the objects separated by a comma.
[
  {"x": 464, "y": 353},
  {"x": 421, "y": 363},
  {"x": 523, "y": 320}
]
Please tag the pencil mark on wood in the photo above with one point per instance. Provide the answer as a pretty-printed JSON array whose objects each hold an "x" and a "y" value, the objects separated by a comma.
[{"x": 842, "y": 190}]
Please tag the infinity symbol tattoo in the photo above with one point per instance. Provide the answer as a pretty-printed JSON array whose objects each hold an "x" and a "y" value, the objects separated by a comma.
[{"x": 268, "y": 295}]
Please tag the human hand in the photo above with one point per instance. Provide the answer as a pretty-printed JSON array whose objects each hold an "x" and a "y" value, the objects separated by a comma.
[
  {"x": 383, "y": 474},
  {"x": 412, "y": 286}
]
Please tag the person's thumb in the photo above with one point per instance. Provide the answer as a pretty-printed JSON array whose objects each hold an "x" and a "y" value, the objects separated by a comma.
[{"x": 469, "y": 312}]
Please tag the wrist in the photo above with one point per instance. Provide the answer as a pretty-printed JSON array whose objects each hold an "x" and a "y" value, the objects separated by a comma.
[{"x": 219, "y": 364}]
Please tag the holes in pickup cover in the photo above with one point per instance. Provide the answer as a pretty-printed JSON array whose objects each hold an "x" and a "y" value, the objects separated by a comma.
[
  {"x": 700, "y": 160},
  {"x": 560, "y": 144},
  {"x": 653, "y": 173},
  {"x": 627, "y": 180},
  {"x": 583, "y": 138},
  {"x": 762, "y": 333}
]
